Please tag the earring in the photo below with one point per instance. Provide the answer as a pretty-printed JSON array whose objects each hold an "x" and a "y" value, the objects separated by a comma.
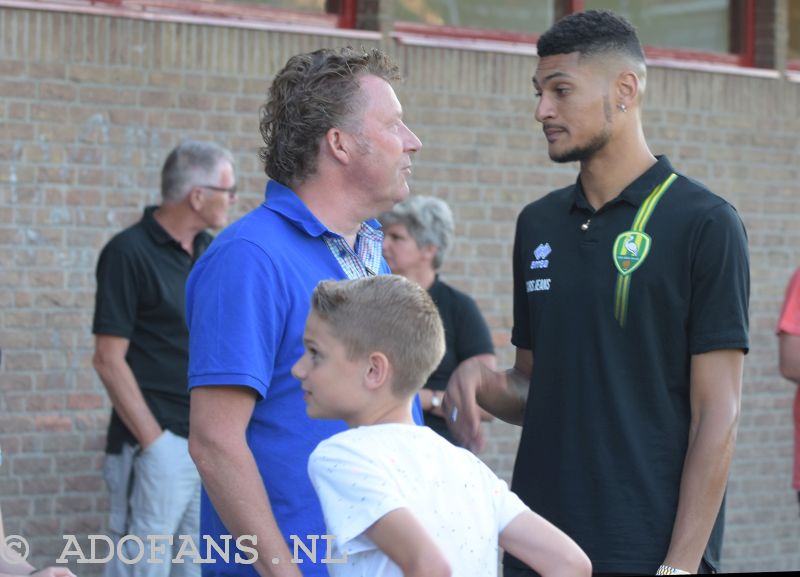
[{"x": 622, "y": 107}]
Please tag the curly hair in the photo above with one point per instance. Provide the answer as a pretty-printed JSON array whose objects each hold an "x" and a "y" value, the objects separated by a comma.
[
  {"x": 590, "y": 33},
  {"x": 314, "y": 92}
]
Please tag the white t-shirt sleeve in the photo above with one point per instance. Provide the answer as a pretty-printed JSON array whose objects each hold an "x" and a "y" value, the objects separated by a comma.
[
  {"x": 353, "y": 489},
  {"x": 507, "y": 504}
]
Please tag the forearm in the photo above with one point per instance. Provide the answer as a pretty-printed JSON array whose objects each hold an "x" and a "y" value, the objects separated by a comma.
[
  {"x": 128, "y": 400},
  {"x": 504, "y": 394},
  {"x": 705, "y": 474},
  {"x": 242, "y": 502},
  {"x": 543, "y": 547}
]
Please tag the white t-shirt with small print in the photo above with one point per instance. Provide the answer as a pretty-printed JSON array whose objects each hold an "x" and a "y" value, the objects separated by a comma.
[{"x": 362, "y": 474}]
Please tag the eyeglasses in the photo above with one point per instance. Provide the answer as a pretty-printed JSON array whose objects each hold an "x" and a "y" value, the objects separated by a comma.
[{"x": 231, "y": 192}]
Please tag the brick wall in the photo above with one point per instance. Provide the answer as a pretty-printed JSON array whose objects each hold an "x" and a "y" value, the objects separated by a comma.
[{"x": 90, "y": 105}]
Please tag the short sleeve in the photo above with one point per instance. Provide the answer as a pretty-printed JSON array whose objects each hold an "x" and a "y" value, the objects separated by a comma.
[
  {"x": 789, "y": 321},
  {"x": 353, "y": 489},
  {"x": 236, "y": 313},
  {"x": 507, "y": 504},
  {"x": 720, "y": 277},
  {"x": 116, "y": 299},
  {"x": 520, "y": 332},
  {"x": 473, "y": 336}
]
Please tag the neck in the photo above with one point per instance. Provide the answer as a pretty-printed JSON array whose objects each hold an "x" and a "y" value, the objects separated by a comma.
[
  {"x": 606, "y": 174},
  {"x": 334, "y": 207},
  {"x": 179, "y": 223},
  {"x": 394, "y": 411},
  {"x": 424, "y": 277}
]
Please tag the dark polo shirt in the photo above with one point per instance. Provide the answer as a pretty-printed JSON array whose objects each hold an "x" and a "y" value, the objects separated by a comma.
[
  {"x": 141, "y": 277},
  {"x": 607, "y": 419}
]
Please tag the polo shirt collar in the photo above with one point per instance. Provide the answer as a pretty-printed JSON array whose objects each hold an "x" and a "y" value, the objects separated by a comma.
[
  {"x": 153, "y": 228},
  {"x": 636, "y": 192},
  {"x": 284, "y": 201}
]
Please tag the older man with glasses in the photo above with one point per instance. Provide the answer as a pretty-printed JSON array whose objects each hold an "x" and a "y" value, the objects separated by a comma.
[{"x": 141, "y": 355}]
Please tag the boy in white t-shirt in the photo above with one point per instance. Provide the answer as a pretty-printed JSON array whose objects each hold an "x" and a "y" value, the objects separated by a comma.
[{"x": 398, "y": 499}]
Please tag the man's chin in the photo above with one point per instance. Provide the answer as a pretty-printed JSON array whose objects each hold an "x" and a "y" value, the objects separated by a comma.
[
  {"x": 404, "y": 193},
  {"x": 563, "y": 157}
]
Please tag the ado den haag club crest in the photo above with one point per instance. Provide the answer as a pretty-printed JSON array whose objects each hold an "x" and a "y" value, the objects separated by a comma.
[{"x": 630, "y": 250}]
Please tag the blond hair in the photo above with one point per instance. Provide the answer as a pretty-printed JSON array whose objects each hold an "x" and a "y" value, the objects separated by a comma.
[{"x": 387, "y": 314}]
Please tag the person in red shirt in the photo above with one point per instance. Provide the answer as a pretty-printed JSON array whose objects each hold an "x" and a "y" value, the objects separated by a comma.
[{"x": 789, "y": 346}]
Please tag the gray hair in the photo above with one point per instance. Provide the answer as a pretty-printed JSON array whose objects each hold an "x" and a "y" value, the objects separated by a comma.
[
  {"x": 428, "y": 220},
  {"x": 191, "y": 163}
]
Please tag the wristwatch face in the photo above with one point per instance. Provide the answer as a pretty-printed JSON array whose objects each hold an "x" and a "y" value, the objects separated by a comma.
[{"x": 436, "y": 401}]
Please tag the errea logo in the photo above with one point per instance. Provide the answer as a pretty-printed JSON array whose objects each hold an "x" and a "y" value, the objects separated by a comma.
[{"x": 540, "y": 256}]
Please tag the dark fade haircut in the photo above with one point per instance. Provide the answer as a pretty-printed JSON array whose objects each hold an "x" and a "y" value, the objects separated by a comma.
[
  {"x": 388, "y": 314},
  {"x": 314, "y": 92},
  {"x": 591, "y": 33}
]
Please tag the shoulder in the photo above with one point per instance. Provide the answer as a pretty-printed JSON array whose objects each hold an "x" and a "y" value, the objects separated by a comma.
[
  {"x": 691, "y": 202},
  {"x": 695, "y": 196},
  {"x": 442, "y": 289},
  {"x": 132, "y": 244},
  {"x": 557, "y": 202},
  {"x": 342, "y": 453},
  {"x": 342, "y": 441},
  {"x": 259, "y": 231},
  {"x": 128, "y": 238},
  {"x": 559, "y": 198}
]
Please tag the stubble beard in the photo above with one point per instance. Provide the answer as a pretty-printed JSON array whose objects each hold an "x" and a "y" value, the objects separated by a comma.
[
  {"x": 582, "y": 153},
  {"x": 596, "y": 144}
]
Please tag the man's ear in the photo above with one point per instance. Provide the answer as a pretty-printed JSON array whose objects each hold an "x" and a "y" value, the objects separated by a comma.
[
  {"x": 339, "y": 144},
  {"x": 627, "y": 89},
  {"x": 379, "y": 371},
  {"x": 196, "y": 198}
]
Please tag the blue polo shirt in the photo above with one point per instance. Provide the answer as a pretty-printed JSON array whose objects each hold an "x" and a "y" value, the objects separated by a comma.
[{"x": 247, "y": 300}]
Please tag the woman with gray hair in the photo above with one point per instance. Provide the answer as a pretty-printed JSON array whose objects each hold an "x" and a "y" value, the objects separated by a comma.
[{"x": 417, "y": 234}]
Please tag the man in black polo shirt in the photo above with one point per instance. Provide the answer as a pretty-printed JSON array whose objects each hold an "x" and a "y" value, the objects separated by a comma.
[
  {"x": 141, "y": 355},
  {"x": 631, "y": 293}
]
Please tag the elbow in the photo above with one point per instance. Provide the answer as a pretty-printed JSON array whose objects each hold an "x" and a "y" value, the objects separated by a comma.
[
  {"x": 201, "y": 449},
  {"x": 440, "y": 568},
  {"x": 99, "y": 362},
  {"x": 575, "y": 564},
  {"x": 429, "y": 565},
  {"x": 581, "y": 565},
  {"x": 103, "y": 365},
  {"x": 210, "y": 452}
]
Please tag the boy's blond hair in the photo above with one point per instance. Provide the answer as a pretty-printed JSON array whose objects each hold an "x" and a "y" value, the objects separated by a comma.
[{"x": 387, "y": 314}]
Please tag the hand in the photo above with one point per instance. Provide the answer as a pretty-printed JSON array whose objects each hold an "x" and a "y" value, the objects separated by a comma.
[
  {"x": 150, "y": 438},
  {"x": 462, "y": 413}
]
